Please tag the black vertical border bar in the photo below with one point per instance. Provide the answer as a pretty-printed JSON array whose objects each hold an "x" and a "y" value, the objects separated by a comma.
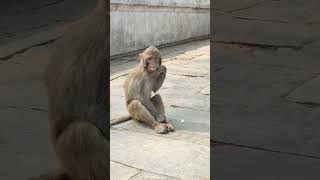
[
  {"x": 211, "y": 87},
  {"x": 107, "y": 52}
]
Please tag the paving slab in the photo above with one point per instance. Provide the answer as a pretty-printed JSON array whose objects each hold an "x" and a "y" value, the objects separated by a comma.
[
  {"x": 232, "y": 29},
  {"x": 24, "y": 134},
  {"x": 189, "y": 119},
  {"x": 23, "y": 105},
  {"x": 24, "y": 144},
  {"x": 250, "y": 104},
  {"x": 122, "y": 67},
  {"x": 146, "y": 175},
  {"x": 235, "y": 163},
  {"x": 307, "y": 93},
  {"x": 11, "y": 49},
  {"x": 160, "y": 155},
  {"x": 304, "y": 59},
  {"x": 122, "y": 172},
  {"x": 286, "y": 11},
  {"x": 231, "y": 5},
  {"x": 266, "y": 65},
  {"x": 251, "y": 21},
  {"x": 21, "y": 19},
  {"x": 117, "y": 106},
  {"x": 23, "y": 79},
  {"x": 22, "y": 95}
]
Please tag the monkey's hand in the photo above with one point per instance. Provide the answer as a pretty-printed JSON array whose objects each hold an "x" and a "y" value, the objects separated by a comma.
[
  {"x": 161, "y": 73},
  {"x": 162, "y": 69}
]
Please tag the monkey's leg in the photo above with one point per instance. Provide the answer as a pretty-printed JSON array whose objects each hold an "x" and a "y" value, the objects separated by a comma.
[
  {"x": 138, "y": 112},
  {"x": 157, "y": 102},
  {"x": 82, "y": 150}
]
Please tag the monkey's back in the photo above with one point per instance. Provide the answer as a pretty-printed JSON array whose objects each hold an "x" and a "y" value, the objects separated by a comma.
[{"x": 76, "y": 76}]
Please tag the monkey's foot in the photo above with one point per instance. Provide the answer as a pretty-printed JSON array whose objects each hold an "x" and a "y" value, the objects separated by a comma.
[
  {"x": 169, "y": 127},
  {"x": 161, "y": 128}
]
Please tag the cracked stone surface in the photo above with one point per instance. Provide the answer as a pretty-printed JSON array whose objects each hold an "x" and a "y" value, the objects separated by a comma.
[
  {"x": 174, "y": 158},
  {"x": 252, "y": 21},
  {"x": 34, "y": 16},
  {"x": 22, "y": 78},
  {"x": 266, "y": 90},
  {"x": 146, "y": 175},
  {"x": 250, "y": 101},
  {"x": 185, "y": 153},
  {"x": 246, "y": 164},
  {"x": 307, "y": 93},
  {"x": 121, "y": 171},
  {"x": 24, "y": 144},
  {"x": 233, "y": 29},
  {"x": 24, "y": 133}
]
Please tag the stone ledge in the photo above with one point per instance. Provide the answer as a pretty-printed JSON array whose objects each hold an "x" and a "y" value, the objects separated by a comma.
[{"x": 166, "y": 3}]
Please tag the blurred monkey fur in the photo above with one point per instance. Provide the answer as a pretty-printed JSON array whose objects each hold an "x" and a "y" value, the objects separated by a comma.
[{"x": 76, "y": 80}]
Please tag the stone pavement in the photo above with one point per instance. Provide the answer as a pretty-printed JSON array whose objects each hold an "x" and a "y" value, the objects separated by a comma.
[
  {"x": 25, "y": 150},
  {"x": 266, "y": 97},
  {"x": 137, "y": 152},
  {"x": 20, "y": 19}
]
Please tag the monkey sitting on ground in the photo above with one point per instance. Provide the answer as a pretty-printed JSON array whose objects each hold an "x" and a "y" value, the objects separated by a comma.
[
  {"x": 141, "y": 81},
  {"x": 76, "y": 80}
]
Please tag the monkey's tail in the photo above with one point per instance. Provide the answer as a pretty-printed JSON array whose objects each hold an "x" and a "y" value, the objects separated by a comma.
[{"x": 120, "y": 120}]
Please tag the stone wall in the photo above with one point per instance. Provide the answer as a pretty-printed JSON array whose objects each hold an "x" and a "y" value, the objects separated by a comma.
[{"x": 136, "y": 24}]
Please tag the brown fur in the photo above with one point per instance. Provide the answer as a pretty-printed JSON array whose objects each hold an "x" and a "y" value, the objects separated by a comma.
[
  {"x": 140, "y": 83},
  {"x": 77, "y": 88}
]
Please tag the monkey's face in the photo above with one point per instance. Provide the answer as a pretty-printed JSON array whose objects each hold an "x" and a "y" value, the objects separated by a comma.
[{"x": 152, "y": 64}]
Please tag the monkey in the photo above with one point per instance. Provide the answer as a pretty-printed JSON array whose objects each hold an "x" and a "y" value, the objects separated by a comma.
[
  {"x": 76, "y": 83},
  {"x": 148, "y": 76}
]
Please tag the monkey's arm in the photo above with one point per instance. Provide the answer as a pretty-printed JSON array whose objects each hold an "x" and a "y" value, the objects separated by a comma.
[{"x": 160, "y": 79}]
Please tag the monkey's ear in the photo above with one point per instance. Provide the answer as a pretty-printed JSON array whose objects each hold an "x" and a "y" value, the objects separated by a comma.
[
  {"x": 142, "y": 61},
  {"x": 160, "y": 60}
]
